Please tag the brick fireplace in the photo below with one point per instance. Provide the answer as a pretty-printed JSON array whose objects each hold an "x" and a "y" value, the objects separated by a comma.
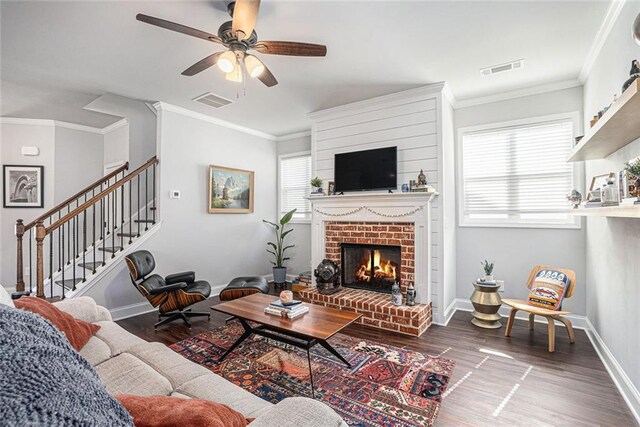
[{"x": 395, "y": 231}]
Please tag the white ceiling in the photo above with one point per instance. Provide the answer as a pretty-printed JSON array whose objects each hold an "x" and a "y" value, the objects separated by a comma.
[{"x": 58, "y": 56}]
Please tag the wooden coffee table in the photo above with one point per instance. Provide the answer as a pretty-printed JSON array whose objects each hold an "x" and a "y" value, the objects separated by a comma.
[{"x": 315, "y": 327}]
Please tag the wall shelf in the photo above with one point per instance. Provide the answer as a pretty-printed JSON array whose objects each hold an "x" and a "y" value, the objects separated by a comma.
[
  {"x": 622, "y": 211},
  {"x": 619, "y": 126}
]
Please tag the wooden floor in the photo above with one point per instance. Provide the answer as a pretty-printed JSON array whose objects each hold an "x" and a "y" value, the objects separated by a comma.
[{"x": 497, "y": 381}]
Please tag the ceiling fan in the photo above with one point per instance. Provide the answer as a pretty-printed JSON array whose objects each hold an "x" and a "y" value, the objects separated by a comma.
[{"x": 239, "y": 37}]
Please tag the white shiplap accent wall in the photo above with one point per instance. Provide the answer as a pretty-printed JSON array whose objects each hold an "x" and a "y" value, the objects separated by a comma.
[{"x": 412, "y": 121}]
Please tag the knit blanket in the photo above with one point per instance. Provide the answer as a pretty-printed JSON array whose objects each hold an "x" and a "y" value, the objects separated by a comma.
[{"x": 45, "y": 382}]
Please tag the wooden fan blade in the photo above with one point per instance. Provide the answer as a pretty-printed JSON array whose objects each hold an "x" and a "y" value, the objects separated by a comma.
[
  {"x": 245, "y": 14},
  {"x": 202, "y": 64},
  {"x": 267, "y": 78},
  {"x": 291, "y": 48},
  {"x": 178, "y": 28}
]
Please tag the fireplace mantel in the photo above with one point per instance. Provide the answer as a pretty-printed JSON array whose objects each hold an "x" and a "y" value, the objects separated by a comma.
[{"x": 413, "y": 208}]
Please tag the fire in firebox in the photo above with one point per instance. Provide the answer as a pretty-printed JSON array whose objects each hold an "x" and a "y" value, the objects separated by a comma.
[{"x": 382, "y": 269}]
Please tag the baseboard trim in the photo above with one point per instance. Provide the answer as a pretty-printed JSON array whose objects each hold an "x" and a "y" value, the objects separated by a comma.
[
  {"x": 578, "y": 322},
  {"x": 628, "y": 391},
  {"x": 448, "y": 314}
]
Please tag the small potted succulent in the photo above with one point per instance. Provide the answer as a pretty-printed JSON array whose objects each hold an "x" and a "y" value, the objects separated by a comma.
[
  {"x": 632, "y": 170},
  {"x": 278, "y": 249},
  {"x": 316, "y": 183},
  {"x": 488, "y": 270}
]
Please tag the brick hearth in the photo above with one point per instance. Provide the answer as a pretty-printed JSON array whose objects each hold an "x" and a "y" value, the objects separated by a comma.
[{"x": 376, "y": 309}]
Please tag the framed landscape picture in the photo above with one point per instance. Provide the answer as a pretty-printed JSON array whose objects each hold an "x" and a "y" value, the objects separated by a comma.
[
  {"x": 23, "y": 186},
  {"x": 230, "y": 190}
]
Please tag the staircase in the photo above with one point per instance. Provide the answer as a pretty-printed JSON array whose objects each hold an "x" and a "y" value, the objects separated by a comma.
[{"x": 73, "y": 244}]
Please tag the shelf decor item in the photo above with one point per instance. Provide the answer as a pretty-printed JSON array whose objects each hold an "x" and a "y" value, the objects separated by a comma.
[
  {"x": 396, "y": 294},
  {"x": 488, "y": 270},
  {"x": 610, "y": 192},
  {"x": 411, "y": 295},
  {"x": 278, "y": 249},
  {"x": 23, "y": 186},
  {"x": 575, "y": 198},
  {"x": 634, "y": 73},
  {"x": 230, "y": 190},
  {"x": 331, "y": 188},
  {"x": 632, "y": 170},
  {"x": 316, "y": 183}
]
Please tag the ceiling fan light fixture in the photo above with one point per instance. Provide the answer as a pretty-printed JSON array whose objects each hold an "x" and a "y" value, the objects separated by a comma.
[
  {"x": 255, "y": 67},
  {"x": 236, "y": 74},
  {"x": 227, "y": 62}
]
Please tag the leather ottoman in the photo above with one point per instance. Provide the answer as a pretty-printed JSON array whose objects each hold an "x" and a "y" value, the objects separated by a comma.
[{"x": 243, "y": 286}]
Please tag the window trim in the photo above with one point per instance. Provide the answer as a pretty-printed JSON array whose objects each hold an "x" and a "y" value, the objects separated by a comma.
[
  {"x": 573, "y": 222},
  {"x": 280, "y": 158}
]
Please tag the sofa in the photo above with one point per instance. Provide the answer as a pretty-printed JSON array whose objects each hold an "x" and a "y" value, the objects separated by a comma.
[{"x": 130, "y": 365}]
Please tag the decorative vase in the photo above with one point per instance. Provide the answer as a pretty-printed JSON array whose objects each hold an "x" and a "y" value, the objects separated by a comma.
[
  {"x": 405, "y": 188},
  {"x": 279, "y": 275},
  {"x": 634, "y": 73},
  {"x": 396, "y": 294},
  {"x": 411, "y": 295},
  {"x": 486, "y": 302}
]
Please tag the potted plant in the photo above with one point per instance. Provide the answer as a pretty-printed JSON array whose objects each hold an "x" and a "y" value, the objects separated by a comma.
[
  {"x": 488, "y": 270},
  {"x": 632, "y": 170},
  {"x": 316, "y": 183},
  {"x": 278, "y": 249}
]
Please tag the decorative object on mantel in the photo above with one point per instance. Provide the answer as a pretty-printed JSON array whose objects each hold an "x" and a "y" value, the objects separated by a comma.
[
  {"x": 488, "y": 271},
  {"x": 278, "y": 248},
  {"x": 396, "y": 294},
  {"x": 632, "y": 170},
  {"x": 411, "y": 295},
  {"x": 486, "y": 302},
  {"x": 327, "y": 276},
  {"x": 331, "y": 188},
  {"x": 634, "y": 73},
  {"x": 575, "y": 198},
  {"x": 316, "y": 183},
  {"x": 421, "y": 185},
  {"x": 405, "y": 188}
]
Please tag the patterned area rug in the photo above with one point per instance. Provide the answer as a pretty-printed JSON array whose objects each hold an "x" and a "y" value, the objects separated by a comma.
[{"x": 386, "y": 386}]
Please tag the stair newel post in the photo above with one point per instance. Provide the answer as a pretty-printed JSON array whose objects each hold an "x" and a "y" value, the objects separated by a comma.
[
  {"x": 19, "y": 267},
  {"x": 41, "y": 233},
  {"x": 30, "y": 260}
]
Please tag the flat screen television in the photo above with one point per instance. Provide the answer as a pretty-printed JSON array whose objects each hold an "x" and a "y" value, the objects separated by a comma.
[{"x": 366, "y": 170}]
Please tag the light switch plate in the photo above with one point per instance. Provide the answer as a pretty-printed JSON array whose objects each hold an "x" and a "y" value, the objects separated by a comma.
[{"x": 174, "y": 194}]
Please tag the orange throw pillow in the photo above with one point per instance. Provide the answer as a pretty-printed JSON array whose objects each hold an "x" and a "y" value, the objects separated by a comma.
[
  {"x": 167, "y": 411},
  {"x": 77, "y": 331}
]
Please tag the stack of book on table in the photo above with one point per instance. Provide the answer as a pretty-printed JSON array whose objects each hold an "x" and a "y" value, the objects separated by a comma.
[
  {"x": 289, "y": 310},
  {"x": 303, "y": 278}
]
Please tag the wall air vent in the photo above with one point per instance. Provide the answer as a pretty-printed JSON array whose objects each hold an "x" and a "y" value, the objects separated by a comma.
[
  {"x": 501, "y": 68},
  {"x": 211, "y": 100}
]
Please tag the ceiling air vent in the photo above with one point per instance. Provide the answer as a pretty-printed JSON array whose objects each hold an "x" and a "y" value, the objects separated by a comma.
[
  {"x": 501, "y": 68},
  {"x": 212, "y": 100}
]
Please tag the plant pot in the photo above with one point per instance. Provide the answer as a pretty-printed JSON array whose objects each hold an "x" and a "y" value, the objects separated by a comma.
[
  {"x": 279, "y": 275},
  {"x": 317, "y": 190},
  {"x": 488, "y": 277}
]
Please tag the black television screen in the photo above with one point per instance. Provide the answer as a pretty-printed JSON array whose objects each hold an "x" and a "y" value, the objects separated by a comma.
[{"x": 366, "y": 170}]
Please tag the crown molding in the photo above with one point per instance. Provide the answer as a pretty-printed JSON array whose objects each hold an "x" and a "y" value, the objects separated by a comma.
[
  {"x": 613, "y": 12},
  {"x": 377, "y": 101},
  {"x": 293, "y": 135},
  {"x": 519, "y": 93},
  {"x": 61, "y": 124},
  {"x": 159, "y": 106}
]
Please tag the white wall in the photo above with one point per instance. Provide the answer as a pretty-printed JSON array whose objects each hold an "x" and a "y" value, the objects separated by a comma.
[
  {"x": 79, "y": 160},
  {"x": 613, "y": 244},
  {"x": 116, "y": 145},
  {"x": 218, "y": 247},
  {"x": 12, "y": 138},
  {"x": 301, "y": 236},
  {"x": 516, "y": 250}
]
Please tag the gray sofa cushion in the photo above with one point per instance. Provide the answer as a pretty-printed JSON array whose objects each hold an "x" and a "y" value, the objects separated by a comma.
[
  {"x": 126, "y": 374},
  {"x": 299, "y": 411}
]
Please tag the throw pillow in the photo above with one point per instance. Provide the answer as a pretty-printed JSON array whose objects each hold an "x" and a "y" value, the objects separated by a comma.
[
  {"x": 548, "y": 289},
  {"x": 5, "y": 297},
  {"x": 166, "y": 411},
  {"x": 78, "y": 332}
]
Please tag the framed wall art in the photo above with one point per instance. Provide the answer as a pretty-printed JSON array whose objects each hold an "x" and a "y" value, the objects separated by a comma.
[
  {"x": 23, "y": 186},
  {"x": 230, "y": 190}
]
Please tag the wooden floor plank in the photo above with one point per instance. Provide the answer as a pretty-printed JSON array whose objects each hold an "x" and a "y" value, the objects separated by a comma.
[{"x": 568, "y": 387}]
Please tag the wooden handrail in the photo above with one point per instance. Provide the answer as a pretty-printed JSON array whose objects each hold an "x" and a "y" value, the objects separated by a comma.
[
  {"x": 86, "y": 205},
  {"x": 60, "y": 206}
]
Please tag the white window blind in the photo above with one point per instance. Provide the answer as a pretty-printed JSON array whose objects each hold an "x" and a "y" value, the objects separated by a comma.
[
  {"x": 518, "y": 174},
  {"x": 295, "y": 175}
]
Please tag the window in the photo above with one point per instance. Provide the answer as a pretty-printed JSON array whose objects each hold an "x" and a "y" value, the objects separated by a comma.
[
  {"x": 517, "y": 174},
  {"x": 295, "y": 175}
]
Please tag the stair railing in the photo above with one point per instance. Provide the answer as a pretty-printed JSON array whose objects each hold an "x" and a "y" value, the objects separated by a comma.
[{"x": 99, "y": 224}]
